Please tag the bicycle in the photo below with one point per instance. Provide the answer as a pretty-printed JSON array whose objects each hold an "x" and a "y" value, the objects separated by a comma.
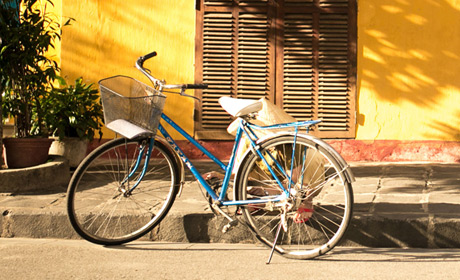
[{"x": 125, "y": 187}]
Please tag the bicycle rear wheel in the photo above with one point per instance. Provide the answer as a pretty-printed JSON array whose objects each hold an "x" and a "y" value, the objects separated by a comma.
[
  {"x": 100, "y": 206},
  {"x": 317, "y": 212}
]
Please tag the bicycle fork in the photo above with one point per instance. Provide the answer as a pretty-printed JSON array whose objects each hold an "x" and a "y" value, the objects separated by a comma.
[{"x": 126, "y": 191}]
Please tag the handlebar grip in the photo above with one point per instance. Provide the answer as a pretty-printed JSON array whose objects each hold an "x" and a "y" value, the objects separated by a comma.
[
  {"x": 196, "y": 86},
  {"x": 142, "y": 59},
  {"x": 150, "y": 55}
]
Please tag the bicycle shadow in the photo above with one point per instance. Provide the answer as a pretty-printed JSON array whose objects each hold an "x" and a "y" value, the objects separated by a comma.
[
  {"x": 338, "y": 254},
  {"x": 179, "y": 246}
]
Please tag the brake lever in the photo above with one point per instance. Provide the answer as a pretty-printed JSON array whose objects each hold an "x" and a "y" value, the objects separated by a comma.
[
  {"x": 182, "y": 93},
  {"x": 191, "y": 96}
]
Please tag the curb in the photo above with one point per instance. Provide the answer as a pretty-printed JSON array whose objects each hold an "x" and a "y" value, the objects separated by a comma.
[
  {"x": 400, "y": 231},
  {"x": 36, "y": 178},
  {"x": 396, "y": 205}
]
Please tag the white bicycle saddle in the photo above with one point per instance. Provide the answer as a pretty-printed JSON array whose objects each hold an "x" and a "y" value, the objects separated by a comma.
[{"x": 240, "y": 107}]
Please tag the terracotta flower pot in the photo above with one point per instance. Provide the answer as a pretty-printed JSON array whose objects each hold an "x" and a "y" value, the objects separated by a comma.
[{"x": 26, "y": 152}]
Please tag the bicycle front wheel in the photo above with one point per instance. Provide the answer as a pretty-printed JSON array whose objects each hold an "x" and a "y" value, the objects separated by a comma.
[
  {"x": 102, "y": 205},
  {"x": 313, "y": 218}
]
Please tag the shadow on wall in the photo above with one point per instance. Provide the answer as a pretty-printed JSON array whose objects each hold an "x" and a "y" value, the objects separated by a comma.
[
  {"x": 448, "y": 129},
  {"x": 409, "y": 53}
]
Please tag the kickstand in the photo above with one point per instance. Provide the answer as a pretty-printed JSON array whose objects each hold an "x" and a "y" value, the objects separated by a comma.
[{"x": 274, "y": 242}]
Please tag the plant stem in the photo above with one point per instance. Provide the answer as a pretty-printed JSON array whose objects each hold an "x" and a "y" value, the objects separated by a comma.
[{"x": 1, "y": 127}]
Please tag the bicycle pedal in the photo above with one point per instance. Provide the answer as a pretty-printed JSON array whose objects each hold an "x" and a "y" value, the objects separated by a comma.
[{"x": 229, "y": 226}]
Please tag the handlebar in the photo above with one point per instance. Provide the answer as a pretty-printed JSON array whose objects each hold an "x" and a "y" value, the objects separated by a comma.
[{"x": 161, "y": 83}]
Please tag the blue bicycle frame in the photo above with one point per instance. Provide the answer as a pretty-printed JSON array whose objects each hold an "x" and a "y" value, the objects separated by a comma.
[{"x": 244, "y": 128}]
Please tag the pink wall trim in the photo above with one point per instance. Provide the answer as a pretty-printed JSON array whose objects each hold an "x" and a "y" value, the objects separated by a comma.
[{"x": 352, "y": 150}]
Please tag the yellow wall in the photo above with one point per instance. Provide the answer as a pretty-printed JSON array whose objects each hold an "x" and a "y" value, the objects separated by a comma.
[
  {"x": 408, "y": 58},
  {"x": 107, "y": 37},
  {"x": 408, "y": 69}
]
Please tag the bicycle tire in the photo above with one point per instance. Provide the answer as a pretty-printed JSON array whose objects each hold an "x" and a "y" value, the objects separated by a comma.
[
  {"x": 320, "y": 184},
  {"x": 98, "y": 206}
]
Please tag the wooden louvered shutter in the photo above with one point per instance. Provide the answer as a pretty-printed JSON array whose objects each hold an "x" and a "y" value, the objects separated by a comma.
[
  {"x": 297, "y": 72},
  {"x": 300, "y": 54},
  {"x": 218, "y": 67},
  {"x": 255, "y": 71},
  {"x": 337, "y": 68},
  {"x": 237, "y": 59},
  {"x": 318, "y": 62},
  {"x": 335, "y": 101}
]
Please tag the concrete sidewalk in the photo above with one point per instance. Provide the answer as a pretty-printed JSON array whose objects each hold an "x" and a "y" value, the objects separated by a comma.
[{"x": 396, "y": 205}]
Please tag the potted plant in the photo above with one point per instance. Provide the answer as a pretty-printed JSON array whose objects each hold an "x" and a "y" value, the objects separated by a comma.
[
  {"x": 28, "y": 33},
  {"x": 75, "y": 114}
]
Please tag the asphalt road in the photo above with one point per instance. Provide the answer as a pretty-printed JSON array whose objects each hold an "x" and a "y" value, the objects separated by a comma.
[{"x": 76, "y": 259}]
